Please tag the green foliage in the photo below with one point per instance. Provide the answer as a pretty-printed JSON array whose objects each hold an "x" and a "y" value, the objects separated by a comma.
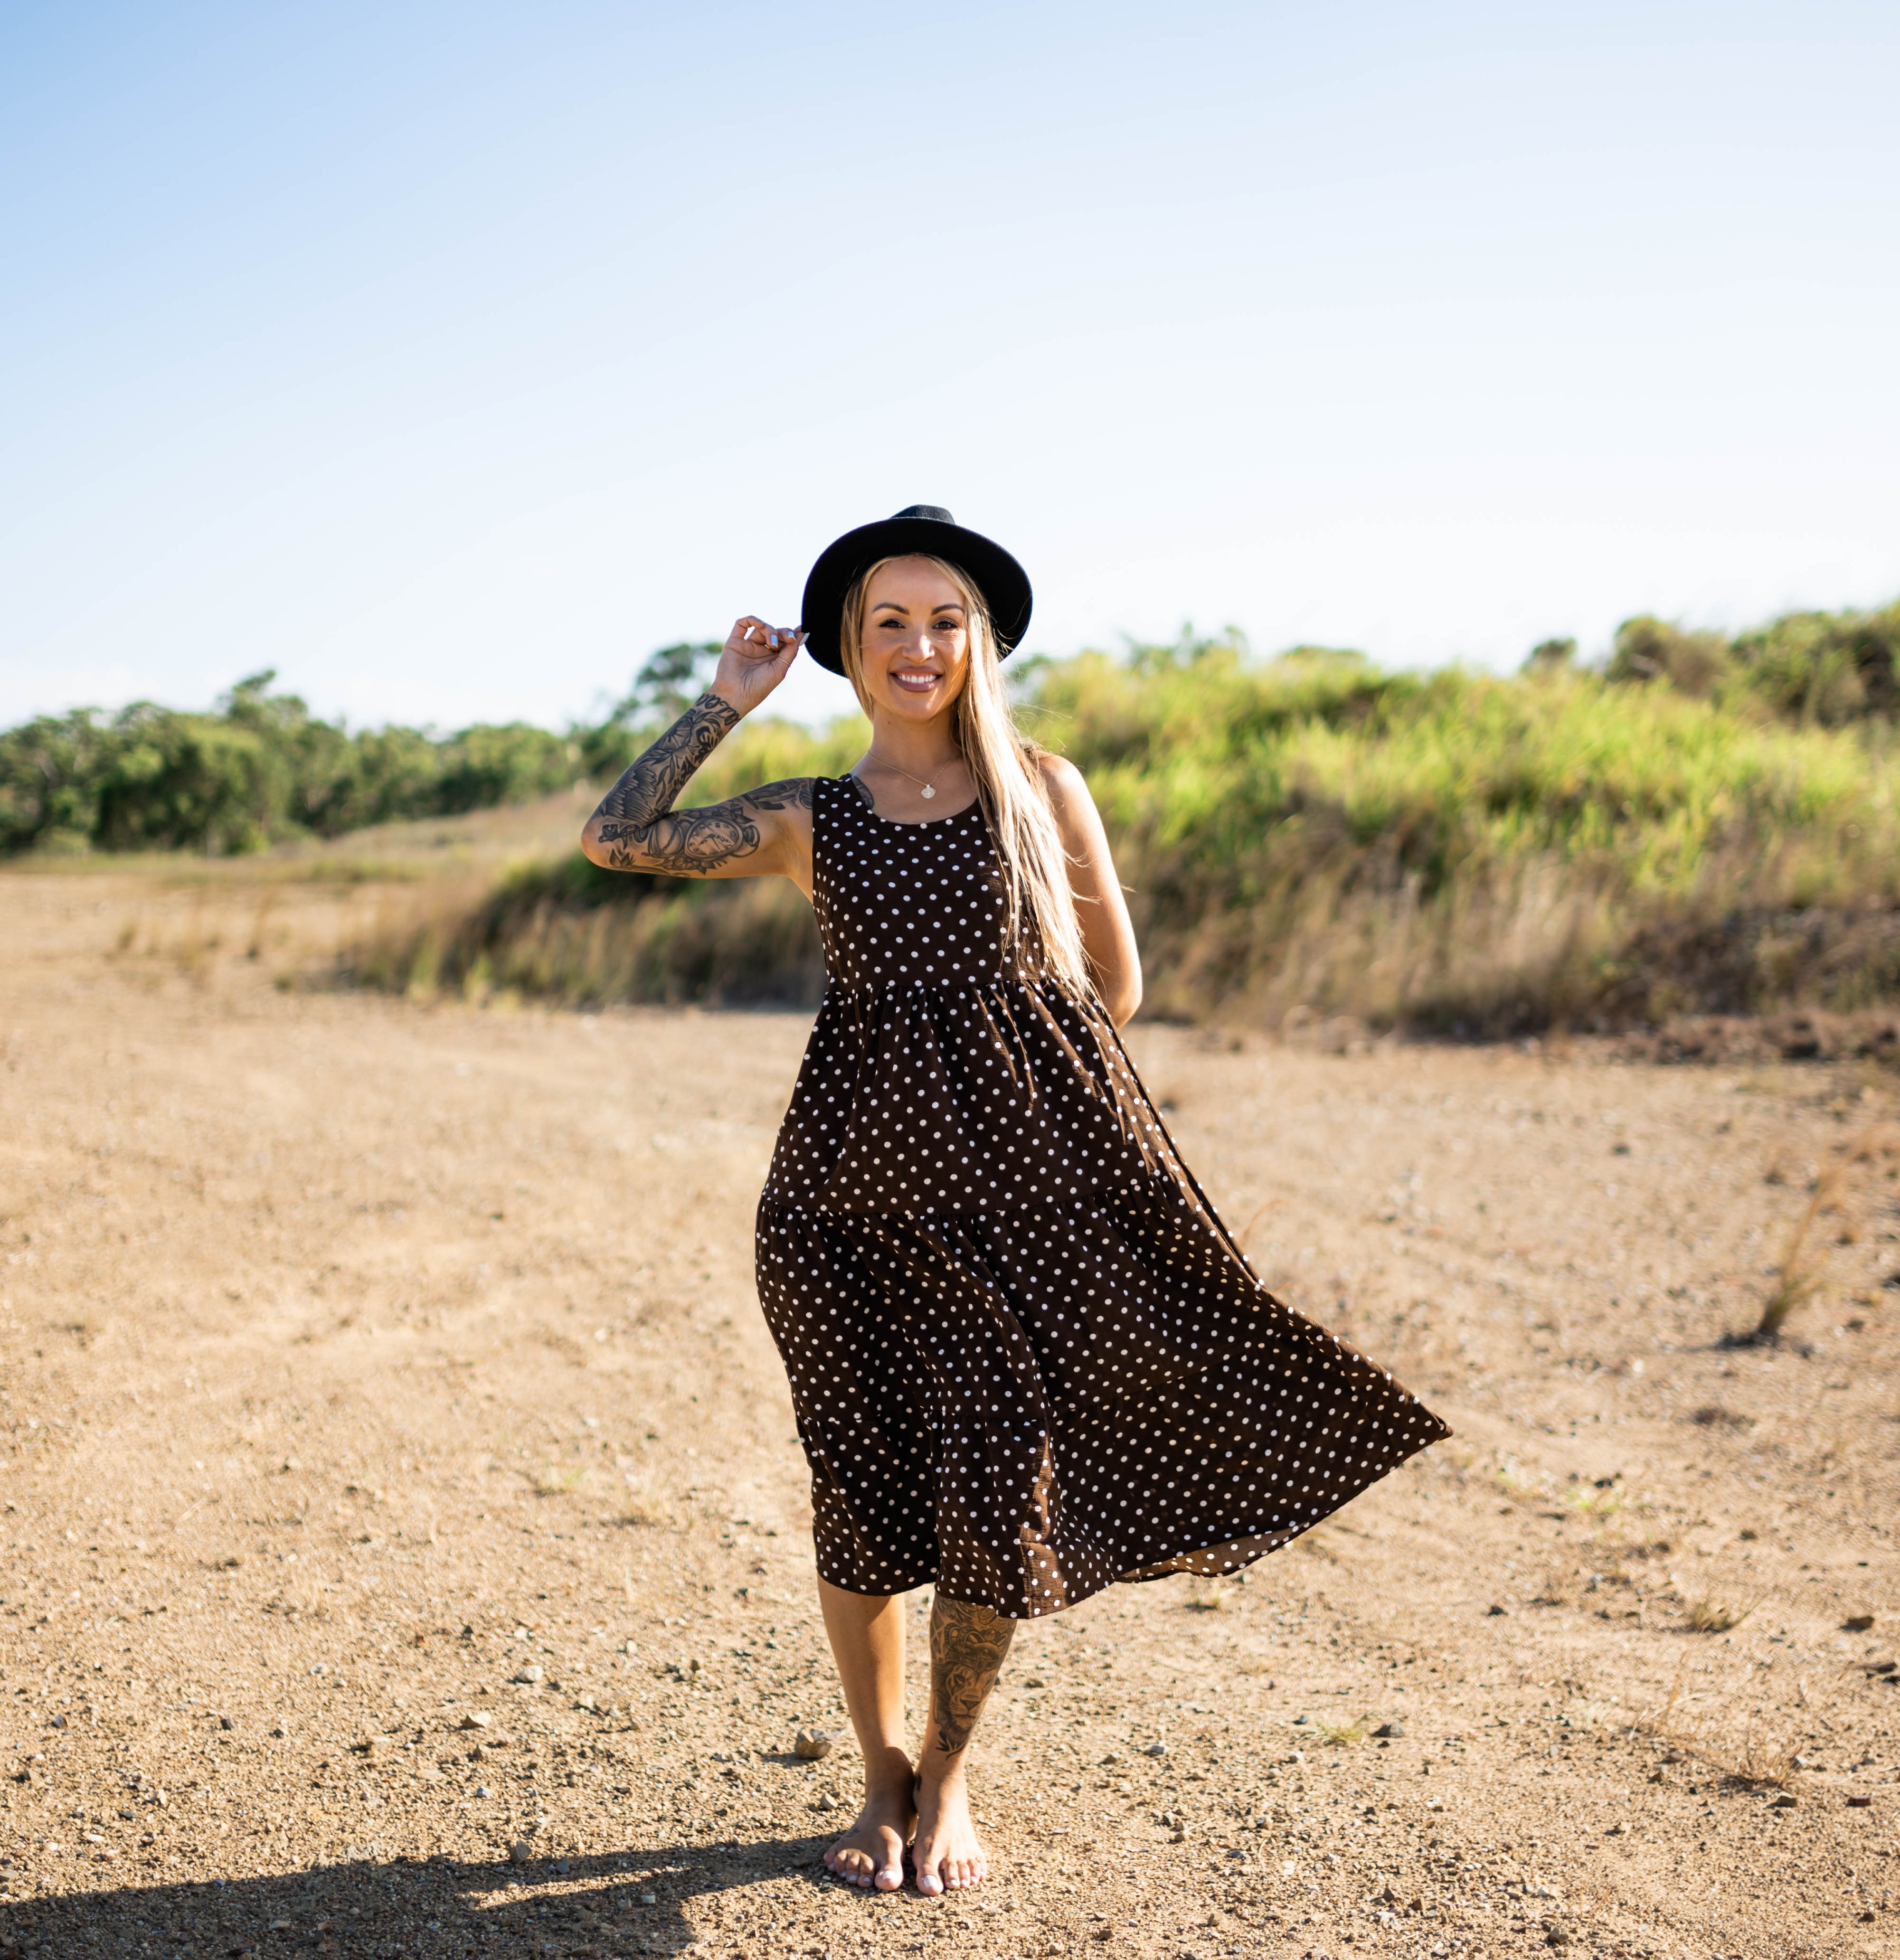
[
  {"x": 1703, "y": 825},
  {"x": 261, "y": 769},
  {"x": 1828, "y": 668},
  {"x": 1550, "y": 656},
  {"x": 1310, "y": 835},
  {"x": 1458, "y": 850}
]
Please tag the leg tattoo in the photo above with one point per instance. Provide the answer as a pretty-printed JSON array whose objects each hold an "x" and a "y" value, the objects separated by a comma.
[{"x": 967, "y": 1644}]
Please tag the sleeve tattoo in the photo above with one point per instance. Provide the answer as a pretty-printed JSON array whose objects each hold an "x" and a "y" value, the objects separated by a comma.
[
  {"x": 641, "y": 830},
  {"x": 967, "y": 1645}
]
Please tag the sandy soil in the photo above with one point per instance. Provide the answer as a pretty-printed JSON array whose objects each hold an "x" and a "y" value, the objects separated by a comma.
[{"x": 405, "y": 1546}]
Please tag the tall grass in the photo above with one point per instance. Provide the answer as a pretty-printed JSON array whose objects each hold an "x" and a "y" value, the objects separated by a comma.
[{"x": 1452, "y": 851}]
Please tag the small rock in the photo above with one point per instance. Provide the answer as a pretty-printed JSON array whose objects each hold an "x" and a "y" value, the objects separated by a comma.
[
  {"x": 828, "y": 1801},
  {"x": 1860, "y": 1802},
  {"x": 588, "y": 1702},
  {"x": 520, "y": 1852},
  {"x": 1859, "y": 1623},
  {"x": 1498, "y": 1613},
  {"x": 528, "y": 1676},
  {"x": 1156, "y": 1749},
  {"x": 58, "y": 1722},
  {"x": 812, "y": 1743},
  {"x": 1392, "y": 1731},
  {"x": 482, "y": 1789},
  {"x": 1035, "y": 1680},
  {"x": 1786, "y": 1801},
  {"x": 648, "y": 1898},
  {"x": 226, "y": 1721},
  {"x": 476, "y": 1721}
]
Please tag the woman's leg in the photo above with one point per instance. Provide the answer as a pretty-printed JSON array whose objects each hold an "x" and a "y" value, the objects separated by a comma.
[
  {"x": 867, "y": 1643},
  {"x": 967, "y": 1644}
]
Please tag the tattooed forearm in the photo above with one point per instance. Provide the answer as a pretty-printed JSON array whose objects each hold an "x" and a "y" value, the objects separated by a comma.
[
  {"x": 967, "y": 1644},
  {"x": 638, "y": 828},
  {"x": 657, "y": 774}
]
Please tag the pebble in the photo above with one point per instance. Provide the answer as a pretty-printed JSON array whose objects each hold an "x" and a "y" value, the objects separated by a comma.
[
  {"x": 1393, "y": 1731},
  {"x": 476, "y": 1721},
  {"x": 520, "y": 1852},
  {"x": 482, "y": 1789},
  {"x": 1156, "y": 1749},
  {"x": 812, "y": 1743},
  {"x": 828, "y": 1801},
  {"x": 1784, "y": 1802},
  {"x": 528, "y": 1675}
]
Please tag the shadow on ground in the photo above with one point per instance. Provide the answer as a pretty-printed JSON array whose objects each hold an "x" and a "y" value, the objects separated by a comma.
[{"x": 439, "y": 1904}]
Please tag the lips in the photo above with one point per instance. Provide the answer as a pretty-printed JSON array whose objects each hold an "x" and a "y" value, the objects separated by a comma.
[{"x": 915, "y": 681}]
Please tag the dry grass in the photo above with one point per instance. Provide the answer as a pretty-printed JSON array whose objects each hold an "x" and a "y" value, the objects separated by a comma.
[
  {"x": 1797, "y": 1273},
  {"x": 1710, "y": 1615},
  {"x": 1342, "y": 1736}
]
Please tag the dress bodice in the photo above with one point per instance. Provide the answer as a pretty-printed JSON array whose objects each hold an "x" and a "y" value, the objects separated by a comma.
[{"x": 945, "y": 1071}]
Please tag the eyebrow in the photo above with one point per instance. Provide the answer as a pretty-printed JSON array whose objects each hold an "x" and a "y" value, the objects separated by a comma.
[{"x": 896, "y": 605}]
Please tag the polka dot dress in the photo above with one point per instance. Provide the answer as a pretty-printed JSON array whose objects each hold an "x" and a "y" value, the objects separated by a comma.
[{"x": 1027, "y": 1357}]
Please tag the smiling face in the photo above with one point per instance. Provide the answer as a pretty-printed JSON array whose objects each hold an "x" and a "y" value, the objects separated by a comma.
[{"x": 914, "y": 647}]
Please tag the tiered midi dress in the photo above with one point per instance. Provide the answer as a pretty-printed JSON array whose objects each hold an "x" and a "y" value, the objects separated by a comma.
[{"x": 1027, "y": 1357}]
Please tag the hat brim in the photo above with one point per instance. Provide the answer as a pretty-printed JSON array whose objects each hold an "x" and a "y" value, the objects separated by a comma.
[{"x": 1003, "y": 583}]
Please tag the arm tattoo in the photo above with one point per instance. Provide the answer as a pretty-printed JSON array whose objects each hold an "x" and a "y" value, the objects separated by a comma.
[
  {"x": 643, "y": 832},
  {"x": 967, "y": 1644}
]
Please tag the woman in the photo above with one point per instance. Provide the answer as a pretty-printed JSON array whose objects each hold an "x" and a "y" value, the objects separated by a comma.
[{"x": 1027, "y": 1359}]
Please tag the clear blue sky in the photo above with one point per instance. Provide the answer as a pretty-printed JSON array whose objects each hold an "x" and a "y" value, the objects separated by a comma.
[{"x": 450, "y": 357}]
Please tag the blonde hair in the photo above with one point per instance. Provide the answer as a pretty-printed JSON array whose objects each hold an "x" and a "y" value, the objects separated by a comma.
[{"x": 1040, "y": 917}]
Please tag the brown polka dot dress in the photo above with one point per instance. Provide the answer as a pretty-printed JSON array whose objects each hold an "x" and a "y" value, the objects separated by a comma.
[{"x": 1027, "y": 1359}]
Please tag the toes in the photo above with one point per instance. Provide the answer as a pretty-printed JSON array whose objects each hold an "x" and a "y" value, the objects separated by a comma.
[
  {"x": 889, "y": 1878},
  {"x": 928, "y": 1882}
]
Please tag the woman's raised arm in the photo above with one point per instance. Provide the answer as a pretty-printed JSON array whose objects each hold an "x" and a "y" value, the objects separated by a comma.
[{"x": 766, "y": 831}]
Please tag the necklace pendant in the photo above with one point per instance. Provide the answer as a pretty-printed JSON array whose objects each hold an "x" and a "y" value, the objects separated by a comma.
[{"x": 928, "y": 792}]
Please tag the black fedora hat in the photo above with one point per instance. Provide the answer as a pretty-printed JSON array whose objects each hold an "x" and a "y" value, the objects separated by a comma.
[{"x": 925, "y": 528}]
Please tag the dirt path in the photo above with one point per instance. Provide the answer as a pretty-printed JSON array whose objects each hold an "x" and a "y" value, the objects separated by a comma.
[{"x": 397, "y": 1472}]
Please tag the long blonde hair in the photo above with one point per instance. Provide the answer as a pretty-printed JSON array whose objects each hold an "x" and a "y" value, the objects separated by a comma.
[{"x": 1040, "y": 916}]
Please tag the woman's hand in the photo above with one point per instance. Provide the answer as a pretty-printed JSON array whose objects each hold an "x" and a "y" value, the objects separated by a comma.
[{"x": 753, "y": 661}]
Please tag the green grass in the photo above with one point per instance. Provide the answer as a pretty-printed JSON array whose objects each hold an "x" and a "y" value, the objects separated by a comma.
[{"x": 1450, "y": 852}]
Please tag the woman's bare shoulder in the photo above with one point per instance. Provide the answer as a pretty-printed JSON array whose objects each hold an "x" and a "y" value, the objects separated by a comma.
[{"x": 1067, "y": 788}]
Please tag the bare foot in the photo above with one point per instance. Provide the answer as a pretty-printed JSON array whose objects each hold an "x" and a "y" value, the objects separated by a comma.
[
  {"x": 948, "y": 1853},
  {"x": 871, "y": 1852}
]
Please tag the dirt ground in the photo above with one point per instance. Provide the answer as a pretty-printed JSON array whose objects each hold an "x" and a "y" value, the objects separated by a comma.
[{"x": 405, "y": 1545}]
